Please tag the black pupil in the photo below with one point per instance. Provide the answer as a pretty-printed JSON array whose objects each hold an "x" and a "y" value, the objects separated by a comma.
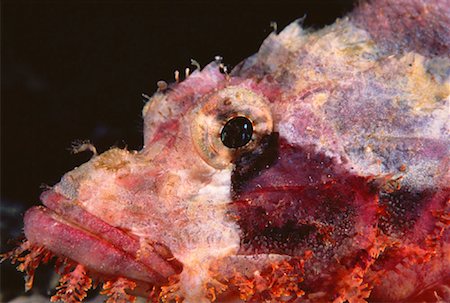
[{"x": 237, "y": 132}]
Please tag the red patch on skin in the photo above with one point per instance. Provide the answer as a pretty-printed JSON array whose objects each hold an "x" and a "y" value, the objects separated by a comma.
[
  {"x": 303, "y": 200},
  {"x": 306, "y": 201}
]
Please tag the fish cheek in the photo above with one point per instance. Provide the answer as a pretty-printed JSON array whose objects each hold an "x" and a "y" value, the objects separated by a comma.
[{"x": 299, "y": 200}]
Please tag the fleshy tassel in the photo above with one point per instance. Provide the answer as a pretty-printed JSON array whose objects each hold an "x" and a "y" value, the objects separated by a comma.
[
  {"x": 277, "y": 283},
  {"x": 354, "y": 285},
  {"x": 171, "y": 291},
  {"x": 116, "y": 290},
  {"x": 29, "y": 257},
  {"x": 442, "y": 223},
  {"x": 214, "y": 288},
  {"x": 73, "y": 286}
]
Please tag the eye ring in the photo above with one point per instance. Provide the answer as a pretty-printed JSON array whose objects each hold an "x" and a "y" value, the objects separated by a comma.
[{"x": 219, "y": 108}]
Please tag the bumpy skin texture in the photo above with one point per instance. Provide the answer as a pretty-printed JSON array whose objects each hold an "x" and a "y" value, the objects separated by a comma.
[{"x": 342, "y": 194}]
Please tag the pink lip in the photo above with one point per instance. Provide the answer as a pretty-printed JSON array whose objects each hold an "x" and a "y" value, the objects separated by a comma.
[{"x": 68, "y": 230}]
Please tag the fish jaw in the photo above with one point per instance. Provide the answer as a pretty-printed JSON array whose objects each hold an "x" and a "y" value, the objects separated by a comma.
[{"x": 67, "y": 230}]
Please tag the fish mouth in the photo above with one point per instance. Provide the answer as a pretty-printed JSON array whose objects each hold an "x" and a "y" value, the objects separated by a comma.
[{"x": 67, "y": 230}]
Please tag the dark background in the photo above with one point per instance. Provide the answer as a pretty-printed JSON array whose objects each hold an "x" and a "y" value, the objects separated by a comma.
[{"x": 75, "y": 70}]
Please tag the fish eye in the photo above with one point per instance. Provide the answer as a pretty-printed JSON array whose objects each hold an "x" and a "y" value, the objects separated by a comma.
[
  {"x": 229, "y": 122},
  {"x": 237, "y": 132}
]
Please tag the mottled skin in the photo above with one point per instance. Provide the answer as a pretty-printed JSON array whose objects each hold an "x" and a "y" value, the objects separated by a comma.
[{"x": 343, "y": 193}]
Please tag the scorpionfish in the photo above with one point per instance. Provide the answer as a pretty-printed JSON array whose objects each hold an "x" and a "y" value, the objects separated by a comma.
[{"x": 316, "y": 170}]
